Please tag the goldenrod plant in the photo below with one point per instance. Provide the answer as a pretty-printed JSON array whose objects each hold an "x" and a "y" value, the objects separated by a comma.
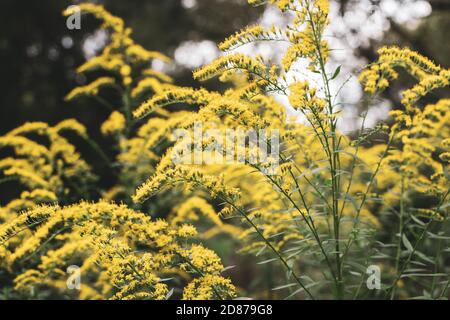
[{"x": 321, "y": 214}]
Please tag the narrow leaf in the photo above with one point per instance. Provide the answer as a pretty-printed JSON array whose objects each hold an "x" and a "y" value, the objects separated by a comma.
[
  {"x": 406, "y": 243},
  {"x": 336, "y": 73}
]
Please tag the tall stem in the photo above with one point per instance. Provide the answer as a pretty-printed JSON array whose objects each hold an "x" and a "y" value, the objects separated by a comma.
[
  {"x": 334, "y": 156},
  {"x": 278, "y": 254},
  {"x": 128, "y": 112},
  {"x": 400, "y": 233},
  {"x": 414, "y": 250}
]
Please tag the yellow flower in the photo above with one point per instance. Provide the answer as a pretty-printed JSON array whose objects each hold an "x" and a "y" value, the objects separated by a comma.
[
  {"x": 235, "y": 61},
  {"x": 90, "y": 89},
  {"x": 209, "y": 287},
  {"x": 125, "y": 70},
  {"x": 114, "y": 124}
]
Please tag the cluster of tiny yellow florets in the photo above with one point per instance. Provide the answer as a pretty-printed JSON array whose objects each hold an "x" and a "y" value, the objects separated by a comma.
[
  {"x": 101, "y": 236},
  {"x": 429, "y": 75},
  {"x": 126, "y": 254},
  {"x": 249, "y": 35},
  {"x": 119, "y": 57},
  {"x": 91, "y": 89},
  {"x": 420, "y": 130},
  {"x": 305, "y": 97},
  {"x": 43, "y": 169},
  {"x": 114, "y": 124}
]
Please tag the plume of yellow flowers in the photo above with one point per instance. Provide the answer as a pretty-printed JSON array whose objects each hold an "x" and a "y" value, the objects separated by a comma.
[
  {"x": 318, "y": 210},
  {"x": 101, "y": 236}
]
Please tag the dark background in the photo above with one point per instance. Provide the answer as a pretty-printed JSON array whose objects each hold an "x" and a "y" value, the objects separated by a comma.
[{"x": 37, "y": 71}]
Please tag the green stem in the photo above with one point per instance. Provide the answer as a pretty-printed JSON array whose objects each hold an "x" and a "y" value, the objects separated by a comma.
[
  {"x": 416, "y": 245},
  {"x": 99, "y": 151},
  {"x": 280, "y": 257},
  {"x": 309, "y": 222},
  {"x": 400, "y": 233},
  {"x": 364, "y": 197},
  {"x": 127, "y": 110},
  {"x": 334, "y": 157}
]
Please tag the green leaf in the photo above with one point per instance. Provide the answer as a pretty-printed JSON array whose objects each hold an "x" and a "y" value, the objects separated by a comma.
[
  {"x": 268, "y": 261},
  {"x": 406, "y": 243},
  {"x": 285, "y": 286},
  {"x": 436, "y": 236},
  {"x": 228, "y": 268},
  {"x": 416, "y": 220},
  {"x": 424, "y": 275},
  {"x": 261, "y": 250},
  {"x": 336, "y": 73},
  {"x": 310, "y": 285},
  {"x": 169, "y": 294},
  {"x": 424, "y": 257},
  {"x": 276, "y": 235},
  {"x": 420, "y": 298},
  {"x": 328, "y": 182},
  {"x": 166, "y": 280}
]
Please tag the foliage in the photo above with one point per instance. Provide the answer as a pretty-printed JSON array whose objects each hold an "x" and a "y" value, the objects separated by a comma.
[{"x": 334, "y": 206}]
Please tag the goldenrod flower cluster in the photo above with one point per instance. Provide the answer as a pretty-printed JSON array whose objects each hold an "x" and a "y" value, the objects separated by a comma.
[
  {"x": 114, "y": 124},
  {"x": 44, "y": 169},
  {"x": 123, "y": 253},
  {"x": 119, "y": 57},
  {"x": 429, "y": 75},
  {"x": 421, "y": 131},
  {"x": 319, "y": 214},
  {"x": 251, "y": 34},
  {"x": 91, "y": 89},
  {"x": 103, "y": 238}
]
